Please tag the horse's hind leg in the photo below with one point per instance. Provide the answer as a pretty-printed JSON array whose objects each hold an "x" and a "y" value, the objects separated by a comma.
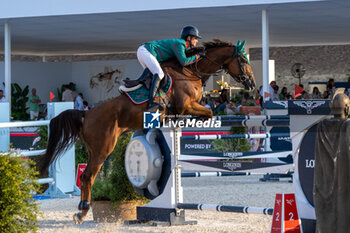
[
  {"x": 87, "y": 179},
  {"x": 98, "y": 152}
]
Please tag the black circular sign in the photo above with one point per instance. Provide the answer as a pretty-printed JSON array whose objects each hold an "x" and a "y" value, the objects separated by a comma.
[{"x": 306, "y": 163}]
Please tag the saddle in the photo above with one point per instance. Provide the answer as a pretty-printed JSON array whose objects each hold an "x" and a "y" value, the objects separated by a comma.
[
  {"x": 139, "y": 94},
  {"x": 146, "y": 80}
]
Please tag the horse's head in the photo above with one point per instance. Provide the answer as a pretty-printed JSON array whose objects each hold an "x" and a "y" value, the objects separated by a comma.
[
  {"x": 239, "y": 67},
  {"x": 221, "y": 55}
]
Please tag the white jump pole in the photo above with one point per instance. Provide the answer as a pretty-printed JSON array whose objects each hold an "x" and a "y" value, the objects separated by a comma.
[
  {"x": 265, "y": 51},
  {"x": 7, "y": 60},
  {"x": 265, "y": 60}
]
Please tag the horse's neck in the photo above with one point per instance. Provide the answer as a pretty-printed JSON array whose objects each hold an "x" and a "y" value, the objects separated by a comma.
[
  {"x": 209, "y": 66},
  {"x": 214, "y": 61}
]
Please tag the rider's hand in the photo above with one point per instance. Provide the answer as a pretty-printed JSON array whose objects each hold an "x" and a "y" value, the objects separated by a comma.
[{"x": 201, "y": 54}]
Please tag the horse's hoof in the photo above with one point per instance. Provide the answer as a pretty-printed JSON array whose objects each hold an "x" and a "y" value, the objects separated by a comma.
[{"x": 77, "y": 218}]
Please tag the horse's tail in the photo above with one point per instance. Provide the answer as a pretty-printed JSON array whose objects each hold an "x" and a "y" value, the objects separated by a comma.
[{"x": 64, "y": 131}]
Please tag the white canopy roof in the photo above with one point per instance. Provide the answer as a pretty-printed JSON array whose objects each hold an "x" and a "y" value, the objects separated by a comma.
[{"x": 78, "y": 27}]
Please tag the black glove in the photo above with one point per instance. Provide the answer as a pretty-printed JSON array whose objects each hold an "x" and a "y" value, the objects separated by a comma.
[{"x": 202, "y": 54}]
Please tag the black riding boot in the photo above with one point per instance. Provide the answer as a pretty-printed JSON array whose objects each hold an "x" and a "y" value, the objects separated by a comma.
[{"x": 152, "y": 93}]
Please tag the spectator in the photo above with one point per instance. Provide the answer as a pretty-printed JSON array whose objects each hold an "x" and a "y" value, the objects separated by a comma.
[
  {"x": 328, "y": 91},
  {"x": 67, "y": 94},
  {"x": 316, "y": 94},
  {"x": 86, "y": 105},
  {"x": 283, "y": 94},
  {"x": 78, "y": 101},
  {"x": 204, "y": 102},
  {"x": 2, "y": 97},
  {"x": 305, "y": 95},
  {"x": 210, "y": 102},
  {"x": 331, "y": 82},
  {"x": 223, "y": 98},
  {"x": 275, "y": 96},
  {"x": 81, "y": 95},
  {"x": 230, "y": 108},
  {"x": 219, "y": 107},
  {"x": 289, "y": 96},
  {"x": 243, "y": 102},
  {"x": 34, "y": 101}
]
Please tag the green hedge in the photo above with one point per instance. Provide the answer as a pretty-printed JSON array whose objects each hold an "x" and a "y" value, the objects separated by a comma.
[
  {"x": 18, "y": 211},
  {"x": 113, "y": 184},
  {"x": 235, "y": 144}
]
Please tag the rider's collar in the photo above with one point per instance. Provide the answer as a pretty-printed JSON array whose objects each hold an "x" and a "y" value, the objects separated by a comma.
[{"x": 188, "y": 44}]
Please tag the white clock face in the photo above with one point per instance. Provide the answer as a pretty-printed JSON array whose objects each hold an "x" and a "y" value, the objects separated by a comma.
[{"x": 136, "y": 162}]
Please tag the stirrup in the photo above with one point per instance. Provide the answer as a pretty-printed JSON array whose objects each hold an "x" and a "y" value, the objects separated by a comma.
[{"x": 154, "y": 106}]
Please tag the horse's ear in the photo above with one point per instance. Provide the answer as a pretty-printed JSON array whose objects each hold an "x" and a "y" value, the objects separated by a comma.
[{"x": 243, "y": 43}]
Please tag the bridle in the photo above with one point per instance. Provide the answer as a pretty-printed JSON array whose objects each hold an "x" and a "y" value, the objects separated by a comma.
[
  {"x": 243, "y": 75},
  {"x": 240, "y": 77}
]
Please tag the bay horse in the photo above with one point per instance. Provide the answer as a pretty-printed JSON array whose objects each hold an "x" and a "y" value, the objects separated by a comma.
[{"x": 100, "y": 127}]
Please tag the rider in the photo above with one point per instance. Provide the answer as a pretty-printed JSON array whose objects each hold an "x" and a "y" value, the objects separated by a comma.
[{"x": 151, "y": 53}]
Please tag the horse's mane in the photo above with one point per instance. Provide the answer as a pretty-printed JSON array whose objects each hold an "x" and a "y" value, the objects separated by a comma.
[{"x": 216, "y": 43}]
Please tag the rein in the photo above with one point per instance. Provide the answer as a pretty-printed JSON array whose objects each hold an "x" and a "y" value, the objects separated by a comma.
[{"x": 201, "y": 74}]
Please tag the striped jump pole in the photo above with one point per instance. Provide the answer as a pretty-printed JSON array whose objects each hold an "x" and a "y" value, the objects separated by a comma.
[
  {"x": 256, "y": 122},
  {"x": 213, "y": 174},
  {"x": 251, "y": 117},
  {"x": 234, "y": 136},
  {"x": 235, "y": 155},
  {"x": 226, "y": 208}
]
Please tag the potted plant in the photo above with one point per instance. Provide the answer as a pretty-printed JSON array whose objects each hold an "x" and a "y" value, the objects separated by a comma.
[
  {"x": 250, "y": 108},
  {"x": 19, "y": 100},
  {"x": 113, "y": 197}
]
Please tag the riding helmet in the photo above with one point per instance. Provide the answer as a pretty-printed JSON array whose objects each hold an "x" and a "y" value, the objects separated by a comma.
[{"x": 190, "y": 31}]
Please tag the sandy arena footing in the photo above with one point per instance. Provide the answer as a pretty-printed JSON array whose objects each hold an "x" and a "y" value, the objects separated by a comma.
[{"x": 239, "y": 191}]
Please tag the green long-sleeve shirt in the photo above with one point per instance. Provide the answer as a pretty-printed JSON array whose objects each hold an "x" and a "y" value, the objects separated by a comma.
[{"x": 165, "y": 49}]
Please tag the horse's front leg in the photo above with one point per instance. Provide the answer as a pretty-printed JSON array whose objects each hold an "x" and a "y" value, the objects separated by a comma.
[{"x": 196, "y": 109}]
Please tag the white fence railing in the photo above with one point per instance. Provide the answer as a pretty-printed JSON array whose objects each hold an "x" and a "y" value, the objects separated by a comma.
[
  {"x": 61, "y": 178},
  {"x": 23, "y": 123},
  {"x": 33, "y": 152}
]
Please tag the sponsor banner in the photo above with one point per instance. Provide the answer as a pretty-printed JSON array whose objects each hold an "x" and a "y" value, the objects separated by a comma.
[
  {"x": 80, "y": 170},
  {"x": 308, "y": 107}
]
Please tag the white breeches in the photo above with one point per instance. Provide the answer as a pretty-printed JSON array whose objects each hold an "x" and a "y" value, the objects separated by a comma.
[{"x": 147, "y": 60}]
